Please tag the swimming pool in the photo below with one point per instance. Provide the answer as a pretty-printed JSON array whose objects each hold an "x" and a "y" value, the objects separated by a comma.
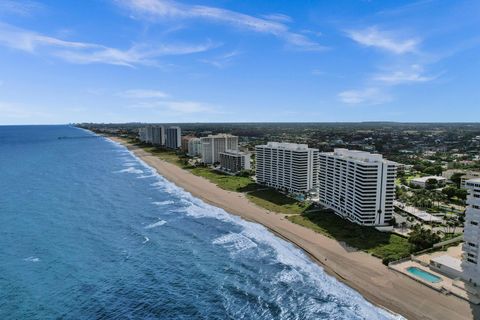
[{"x": 427, "y": 276}]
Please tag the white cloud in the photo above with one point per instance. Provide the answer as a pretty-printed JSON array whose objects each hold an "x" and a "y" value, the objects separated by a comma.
[
  {"x": 223, "y": 60},
  {"x": 160, "y": 101},
  {"x": 273, "y": 24},
  {"x": 11, "y": 111},
  {"x": 143, "y": 94},
  {"x": 17, "y": 7},
  {"x": 369, "y": 96},
  {"x": 86, "y": 53},
  {"x": 373, "y": 37},
  {"x": 414, "y": 74}
]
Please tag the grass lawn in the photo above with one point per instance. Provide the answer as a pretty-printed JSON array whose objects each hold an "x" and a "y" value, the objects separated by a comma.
[
  {"x": 225, "y": 181},
  {"x": 383, "y": 245},
  {"x": 275, "y": 201}
]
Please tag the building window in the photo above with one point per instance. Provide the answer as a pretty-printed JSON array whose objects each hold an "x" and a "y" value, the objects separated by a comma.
[
  {"x": 472, "y": 261},
  {"x": 475, "y": 223},
  {"x": 472, "y": 244}
]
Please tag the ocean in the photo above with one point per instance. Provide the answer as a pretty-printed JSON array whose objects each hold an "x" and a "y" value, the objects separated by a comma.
[{"x": 88, "y": 231}]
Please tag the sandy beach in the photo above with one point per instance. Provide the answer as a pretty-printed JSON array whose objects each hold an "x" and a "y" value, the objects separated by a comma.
[{"x": 357, "y": 269}]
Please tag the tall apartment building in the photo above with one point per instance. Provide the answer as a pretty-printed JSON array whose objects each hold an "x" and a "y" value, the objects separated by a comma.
[
  {"x": 142, "y": 134},
  {"x": 358, "y": 186},
  {"x": 289, "y": 166},
  {"x": 149, "y": 134},
  {"x": 194, "y": 147},
  {"x": 213, "y": 145},
  {"x": 234, "y": 161},
  {"x": 158, "y": 135},
  {"x": 174, "y": 137},
  {"x": 471, "y": 234}
]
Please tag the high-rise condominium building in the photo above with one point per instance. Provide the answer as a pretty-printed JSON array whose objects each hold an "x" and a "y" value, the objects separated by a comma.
[
  {"x": 289, "y": 166},
  {"x": 213, "y": 145},
  {"x": 194, "y": 147},
  {"x": 174, "y": 137},
  {"x": 142, "y": 134},
  {"x": 358, "y": 186},
  {"x": 158, "y": 135},
  {"x": 234, "y": 161},
  {"x": 471, "y": 234},
  {"x": 149, "y": 134}
]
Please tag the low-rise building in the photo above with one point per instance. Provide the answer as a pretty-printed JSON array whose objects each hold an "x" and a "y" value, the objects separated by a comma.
[
  {"x": 422, "y": 181},
  {"x": 234, "y": 161}
]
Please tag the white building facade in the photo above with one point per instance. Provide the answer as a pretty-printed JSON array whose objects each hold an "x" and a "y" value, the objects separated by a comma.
[
  {"x": 358, "y": 186},
  {"x": 234, "y": 161},
  {"x": 471, "y": 234},
  {"x": 213, "y": 145},
  {"x": 288, "y": 166},
  {"x": 194, "y": 147},
  {"x": 173, "y": 137}
]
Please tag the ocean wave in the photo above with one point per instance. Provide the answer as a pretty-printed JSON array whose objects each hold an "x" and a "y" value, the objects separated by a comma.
[
  {"x": 235, "y": 242},
  {"x": 156, "y": 224},
  {"x": 32, "y": 259},
  {"x": 146, "y": 239},
  {"x": 163, "y": 203},
  {"x": 130, "y": 170}
]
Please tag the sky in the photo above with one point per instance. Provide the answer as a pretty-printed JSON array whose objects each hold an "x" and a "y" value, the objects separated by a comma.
[{"x": 239, "y": 61}]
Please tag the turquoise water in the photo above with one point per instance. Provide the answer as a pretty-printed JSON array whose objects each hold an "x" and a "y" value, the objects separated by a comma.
[
  {"x": 90, "y": 232},
  {"x": 427, "y": 276}
]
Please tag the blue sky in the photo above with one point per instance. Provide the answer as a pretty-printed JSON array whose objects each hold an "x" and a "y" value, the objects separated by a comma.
[{"x": 233, "y": 61}]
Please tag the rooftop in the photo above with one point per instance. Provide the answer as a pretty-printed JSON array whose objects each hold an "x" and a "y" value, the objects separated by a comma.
[
  {"x": 424, "y": 179},
  {"x": 287, "y": 146}
]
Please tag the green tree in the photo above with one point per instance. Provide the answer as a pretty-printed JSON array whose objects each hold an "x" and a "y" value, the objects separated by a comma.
[
  {"x": 431, "y": 184},
  {"x": 457, "y": 178},
  {"x": 450, "y": 191},
  {"x": 422, "y": 238}
]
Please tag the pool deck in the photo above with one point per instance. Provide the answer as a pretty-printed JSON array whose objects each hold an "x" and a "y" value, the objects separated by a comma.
[{"x": 445, "y": 286}]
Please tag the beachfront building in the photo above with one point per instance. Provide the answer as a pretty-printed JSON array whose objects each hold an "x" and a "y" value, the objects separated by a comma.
[
  {"x": 185, "y": 140},
  {"x": 358, "y": 186},
  {"x": 158, "y": 135},
  {"x": 213, "y": 145},
  {"x": 422, "y": 181},
  {"x": 142, "y": 134},
  {"x": 174, "y": 137},
  {"x": 287, "y": 166},
  {"x": 234, "y": 161},
  {"x": 471, "y": 234},
  {"x": 194, "y": 147}
]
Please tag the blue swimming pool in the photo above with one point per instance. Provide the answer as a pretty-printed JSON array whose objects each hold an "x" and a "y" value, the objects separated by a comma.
[{"x": 427, "y": 276}]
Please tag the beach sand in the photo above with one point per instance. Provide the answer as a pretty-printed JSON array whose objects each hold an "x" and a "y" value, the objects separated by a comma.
[{"x": 357, "y": 269}]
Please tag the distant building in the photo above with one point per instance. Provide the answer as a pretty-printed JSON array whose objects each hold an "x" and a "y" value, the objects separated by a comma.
[
  {"x": 142, "y": 134},
  {"x": 158, "y": 135},
  {"x": 471, "y": 234},
  {"x": 422, "y": 181},
  {"x": 469, "y": 175},
  {"x": 149, "y": 134},
  {"x": 213, "y": 145},
  {"x": 174, "y": 138},
  {"x": 234, "y": 161},
  {"x": 194, "y": 147},
  {"x": 289, "y": 166},
  {"x": 358, "y": 186},
  {"x": 185, "y": 140}
]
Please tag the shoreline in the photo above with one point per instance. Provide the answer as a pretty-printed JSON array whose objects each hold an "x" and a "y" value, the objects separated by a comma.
[{"x": 359, "y": 270}]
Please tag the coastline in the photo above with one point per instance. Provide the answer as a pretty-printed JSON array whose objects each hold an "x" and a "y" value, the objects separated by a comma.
[{"x": 359, "y": 270}]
